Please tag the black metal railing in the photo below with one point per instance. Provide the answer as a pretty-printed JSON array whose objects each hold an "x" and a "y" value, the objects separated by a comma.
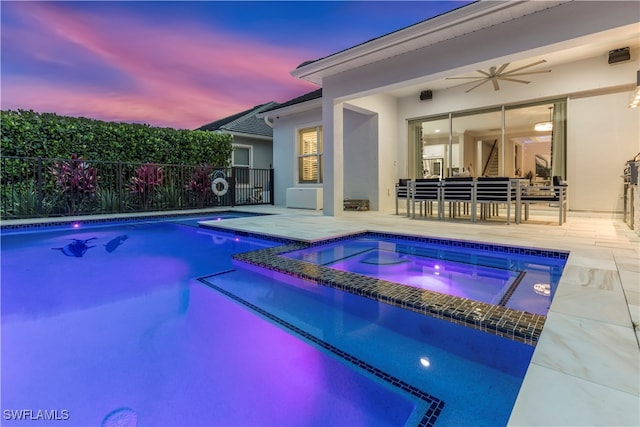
[{"x": 39, "y": 187}]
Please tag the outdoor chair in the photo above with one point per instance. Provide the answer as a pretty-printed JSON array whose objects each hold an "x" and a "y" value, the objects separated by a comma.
[
  {"x": 491, "y": 192},
  {"x": 426, "y": 191},
  {"x": 551, "y": 195},
  {"x": 459, "y": 192},
  {"x": 403, "y": 190}
]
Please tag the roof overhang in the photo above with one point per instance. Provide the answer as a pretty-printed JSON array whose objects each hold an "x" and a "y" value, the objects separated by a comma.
[
  {"x": 465, "y": 20},
  {"x": 291, "y": 109}
]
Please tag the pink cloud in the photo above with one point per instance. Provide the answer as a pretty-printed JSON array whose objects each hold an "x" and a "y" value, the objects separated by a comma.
[
  {"x": 182, "y": 76},
  {"x": 187, "y": 110}
]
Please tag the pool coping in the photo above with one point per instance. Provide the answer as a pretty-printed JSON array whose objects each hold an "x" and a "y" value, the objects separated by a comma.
[{"x": 37, "y": 223}]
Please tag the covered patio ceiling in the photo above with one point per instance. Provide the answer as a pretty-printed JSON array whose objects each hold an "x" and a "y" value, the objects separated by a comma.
[{"x": 592, "y": 46}]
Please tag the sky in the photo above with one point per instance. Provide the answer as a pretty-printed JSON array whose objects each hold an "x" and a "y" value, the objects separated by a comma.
[{"x": 179, "y": 64}]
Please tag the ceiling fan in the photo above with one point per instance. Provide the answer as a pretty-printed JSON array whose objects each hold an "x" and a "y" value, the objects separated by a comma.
[{"x": 494, "y": 74}]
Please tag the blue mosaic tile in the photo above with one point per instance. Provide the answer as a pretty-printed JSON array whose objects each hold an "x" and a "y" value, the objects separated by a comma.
[{"x": 50, "y": 222}]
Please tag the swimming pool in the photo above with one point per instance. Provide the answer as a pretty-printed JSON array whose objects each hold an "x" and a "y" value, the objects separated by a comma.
[{"x": 164, "y": 328}]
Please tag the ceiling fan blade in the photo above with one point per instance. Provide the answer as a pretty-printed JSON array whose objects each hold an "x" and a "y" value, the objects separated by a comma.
[
  {"x": 495, "y": 84},
  {"x": 478, "y": 85},
  {"x": 533, "y": 64},
  {"x": 458, "y": 78},
  {"x": 509, "y": 79},
  {"x": 501, "y": 69},
  {"x": 463, "y": 84},
  {"x": 527, "y": 73}
]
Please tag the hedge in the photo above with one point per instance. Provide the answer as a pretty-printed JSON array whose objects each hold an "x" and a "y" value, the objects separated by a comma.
[{"x": 31, "y": 134}]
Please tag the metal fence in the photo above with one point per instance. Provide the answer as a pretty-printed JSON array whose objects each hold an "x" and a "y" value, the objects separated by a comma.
[{"x": 39, "y": 187}]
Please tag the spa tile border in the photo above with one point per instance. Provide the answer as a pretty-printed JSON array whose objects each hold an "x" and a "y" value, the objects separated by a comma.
[
  {"x": 435, "y": 405},
  {"x": 463, "y": 244},
  {"x": 501, "y": 321}
]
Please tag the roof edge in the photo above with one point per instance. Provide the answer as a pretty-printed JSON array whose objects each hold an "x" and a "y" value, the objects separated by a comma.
[
  {"x": 454, "y": 18},
  {"x": 303, "y": 102}
]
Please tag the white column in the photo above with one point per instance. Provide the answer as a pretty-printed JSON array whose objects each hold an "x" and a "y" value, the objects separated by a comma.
[{"x": 332, "y": 157}]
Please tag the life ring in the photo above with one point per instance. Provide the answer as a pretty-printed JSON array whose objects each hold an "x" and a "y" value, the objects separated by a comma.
[{"x": 214, "y": 186}]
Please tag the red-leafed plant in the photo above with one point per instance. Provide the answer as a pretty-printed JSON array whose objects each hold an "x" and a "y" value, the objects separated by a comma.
[
  {"x": 75, "y": 178},
  {"x": 146, "y": 179},
  {"x": 200, "y": 183}
]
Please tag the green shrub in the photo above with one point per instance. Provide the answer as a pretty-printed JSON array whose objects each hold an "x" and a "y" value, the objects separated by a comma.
[
  {"x": 30, "y": 134},
  {"x": 108, "y": 200},
  {"x": 169, "y": 196},
  {"x": 25, "y": 201}
]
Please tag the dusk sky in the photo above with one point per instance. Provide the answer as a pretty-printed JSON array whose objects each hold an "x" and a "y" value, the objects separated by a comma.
[{"x": 178, "y": 64}]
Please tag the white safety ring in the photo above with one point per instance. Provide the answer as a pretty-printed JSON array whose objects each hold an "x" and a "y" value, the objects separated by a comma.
[{"x": 214, "y": 187}]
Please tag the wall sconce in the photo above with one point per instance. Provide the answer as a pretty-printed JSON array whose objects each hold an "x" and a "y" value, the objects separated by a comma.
[
  {"x": 545, "y": 126},
  {"x": 635, "y": 100}
]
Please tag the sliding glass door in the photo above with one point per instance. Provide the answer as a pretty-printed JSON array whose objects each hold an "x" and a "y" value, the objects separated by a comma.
[{"x": 517, "y": 141}]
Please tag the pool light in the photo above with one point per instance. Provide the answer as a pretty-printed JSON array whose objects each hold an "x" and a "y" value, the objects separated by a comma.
[
  {"x": 424, "y": 361},
  {"x": 76, "y": 225},
  {"x": 436, "y": 267},
  {"x": 543, "y": 289}
]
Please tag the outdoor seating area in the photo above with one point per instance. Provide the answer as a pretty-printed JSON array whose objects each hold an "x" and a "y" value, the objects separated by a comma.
[{"x": 483, "y": 197}]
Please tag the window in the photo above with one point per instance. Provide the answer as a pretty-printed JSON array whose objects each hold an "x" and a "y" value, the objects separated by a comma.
[
  {"x": 310, "y": 156},
  {"x": 241, "y": 160}
]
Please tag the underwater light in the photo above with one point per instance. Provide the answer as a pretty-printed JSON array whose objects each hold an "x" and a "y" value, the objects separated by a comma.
[
  {"x": 543, "y": 289},
  {"x": 424, "y": 361},
  {"x": 76, "y": 225},
  {"x": 218, "y": 219}
]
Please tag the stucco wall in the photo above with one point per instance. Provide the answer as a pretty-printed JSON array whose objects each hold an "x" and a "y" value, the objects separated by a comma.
[
  {"x": 603, "y": 134},
  {"x": 285, "y": 150},
  {"x": 386, "y": 110},
  {"x": 360, "y": 157}
]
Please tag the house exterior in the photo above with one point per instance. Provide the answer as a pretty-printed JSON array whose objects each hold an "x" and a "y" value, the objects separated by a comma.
[
  {"x": 252, "y": 137},
  {"x": 535, "y": 88}
]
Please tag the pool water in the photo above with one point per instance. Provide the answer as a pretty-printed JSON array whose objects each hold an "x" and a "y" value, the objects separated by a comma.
[
  {"x": 161, "y": 328},
  {"x": 517, "y": 281}
]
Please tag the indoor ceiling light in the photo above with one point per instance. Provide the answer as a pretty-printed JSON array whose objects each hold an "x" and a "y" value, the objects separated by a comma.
[{"x": 544, "y": 126}]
